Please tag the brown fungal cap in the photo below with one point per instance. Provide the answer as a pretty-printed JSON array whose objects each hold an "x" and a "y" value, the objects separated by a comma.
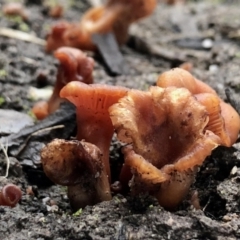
[
  {"x": 115, "y": 16},
  {"x": 66, "y": 162},
  {"x": 10, "y": 195},
  {"x": 78, "y": 165},
  {"x": 74, "y": 66},
  {"x": 223, "y": 119},
  {"x": 170, "y": 118},
  {"x": 165, "y": 128}
]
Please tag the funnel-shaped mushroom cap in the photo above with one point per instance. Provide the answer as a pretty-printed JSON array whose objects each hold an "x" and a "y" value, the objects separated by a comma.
[
  {"x": 92, "y": 103},
  {"x": 93, "y": 99},
  {"x": 216, "y": 122},
  {"x": 115, "y": 16},
  {"x": 162, "y": 124},
  {"x": 165, "y": 128},
  {"x": 55, "y": 38},
  {"x": 231, "y": 120},
  {"x": 177, "y": 77},
  {"x": 75, "y": 65},
  {"x": 223, "y": 119}
]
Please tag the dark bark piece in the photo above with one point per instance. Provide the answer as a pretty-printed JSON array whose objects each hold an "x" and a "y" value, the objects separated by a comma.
[{"x": 109, "y": 50}]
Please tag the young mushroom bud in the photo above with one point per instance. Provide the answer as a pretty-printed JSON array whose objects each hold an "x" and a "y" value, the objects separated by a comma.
[
  {"x": 168, "y": 141},
  {"x": 223, "y": 119},
  {"x": 93, "y": 120},
  {"x": 74, "y": 66},
  {"x": 10, "y": 195},
  {"x": 79, "y": 166},
  {"x": 115, "y": 16}
]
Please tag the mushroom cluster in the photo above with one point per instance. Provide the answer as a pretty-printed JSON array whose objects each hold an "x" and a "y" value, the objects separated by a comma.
[
  {"x": 95, "y": 130},
  {"x": 168, "y": 130},
  {"x": 115, "y": 16}
]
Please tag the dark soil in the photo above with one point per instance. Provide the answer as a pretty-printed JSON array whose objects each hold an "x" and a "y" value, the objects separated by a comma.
[{"x": 204, "y": 33}]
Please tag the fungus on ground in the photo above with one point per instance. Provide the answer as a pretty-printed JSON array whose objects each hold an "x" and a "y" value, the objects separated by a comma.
[
  {"x": 165, "y": 130},
  {"x": 223, "y": 119},
  {"x": 79, "y": 166},
  {"x": 74, "y": 66},
  {"x": 10, "y": 195},
  {"x": 15, "y": 9},
  {"x": 93, "y": 120},
  {"x": 115, "y": 16}
]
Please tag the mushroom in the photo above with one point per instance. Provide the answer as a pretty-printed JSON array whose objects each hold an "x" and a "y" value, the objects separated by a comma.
[
  {"x": 93, "y": 120},
  {"x": 223, "y": 119},
  {"x": 10, "y": 195},
  {"x": 165, "y": 130},
  {"x": 115, "y": 16},
  {"x": 79, "y": 166},
  {"x": 74, "y": 66},
  {"x": 15, "y": 9}
]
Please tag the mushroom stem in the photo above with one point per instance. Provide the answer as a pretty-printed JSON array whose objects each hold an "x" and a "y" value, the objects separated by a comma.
[{"x": 94, "y": 124}]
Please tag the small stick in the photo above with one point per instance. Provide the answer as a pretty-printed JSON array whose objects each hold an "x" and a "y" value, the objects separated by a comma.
[
  {"x": 36, "y": 133},
  {"x": 4, "y": 149},
  {"x": 11, "y": 33}
]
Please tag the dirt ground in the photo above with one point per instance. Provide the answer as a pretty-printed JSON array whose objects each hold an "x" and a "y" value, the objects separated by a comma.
[{"x": 204, "y": 33}]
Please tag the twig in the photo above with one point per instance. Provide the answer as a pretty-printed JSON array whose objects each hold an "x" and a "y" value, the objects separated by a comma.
[
  {"x": 95, "y": 3},
  {"x": 11, "y": 33},
  {"x": 36, "y": 133},
  {"x": 4, "y": 149}
]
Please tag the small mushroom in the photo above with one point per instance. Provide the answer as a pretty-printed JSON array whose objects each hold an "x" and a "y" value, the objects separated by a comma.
[
  {"x": 223, "y": 119},
  {"x": 15, "y": 9},
  {"x": 79, "y": 166},
  {"x": 94, "y": 124},
  {"x": 74, "y": 66},
  {"x": 165, "y": 130},
  {"x": 10, "y": 195},
  {"x": 115, "y": 16}
]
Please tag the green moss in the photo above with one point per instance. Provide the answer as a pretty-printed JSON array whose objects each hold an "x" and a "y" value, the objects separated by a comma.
[
  {"x": 78, "y": 213},
  {"x": 2, "y": 100},
  {"x": 3, "y": 73},
  {"x": 19, "y": 21}
]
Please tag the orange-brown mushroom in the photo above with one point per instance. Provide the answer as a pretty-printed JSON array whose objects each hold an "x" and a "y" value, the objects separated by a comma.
[
  {"x": 94, "y": 124},
  {"x": 15, "y": 9},
  {"x": 74, "y": 66},
  {"x": 224, "y": 120},
  {"x": 166, "y": 132},
  {"x": 77, "y": 165},
  {"x": 10, "y": 195},
  {"x": 115, "y": 16}
]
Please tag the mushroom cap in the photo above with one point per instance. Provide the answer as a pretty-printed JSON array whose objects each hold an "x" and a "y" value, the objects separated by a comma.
[
  {"x": 216, "y": 123},
  {"x": 177, "y": 77},
  {"x": 10, "y": 195},
  {"x": 95, "y": 99},
  {"x": 165, "y": 128},
  {"x": 232, "y": 122},
  {"x": 158, "y": 121},
  {"x": 69, "y": 162},
  {"x": 134, "y": 9},
  {"x": 223, "y": 119},
  {"x": 55, "y": 38},
  {"x": 40, "y": 110},
  {"x": 74, "y": 65}
]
